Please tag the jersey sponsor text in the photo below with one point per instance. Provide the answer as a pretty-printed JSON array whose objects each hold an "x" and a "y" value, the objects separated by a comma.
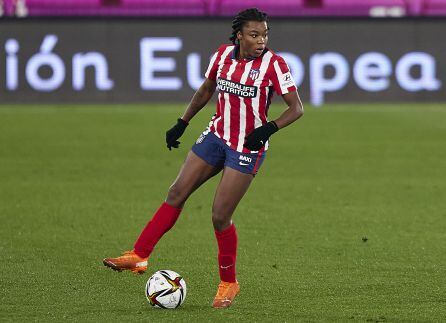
[{"x": 231, "y": 87}]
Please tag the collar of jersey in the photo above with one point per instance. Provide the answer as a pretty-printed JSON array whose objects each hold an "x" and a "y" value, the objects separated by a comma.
[{"x": 237, "y": 49}]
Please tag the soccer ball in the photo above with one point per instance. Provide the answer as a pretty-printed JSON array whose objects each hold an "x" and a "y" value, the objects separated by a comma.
[{"x": 166, "y": 289}]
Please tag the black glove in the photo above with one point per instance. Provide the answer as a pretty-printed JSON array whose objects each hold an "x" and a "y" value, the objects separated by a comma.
[
  {"x": 174, "y": 133},
  {"x": 259, "y": 136}
]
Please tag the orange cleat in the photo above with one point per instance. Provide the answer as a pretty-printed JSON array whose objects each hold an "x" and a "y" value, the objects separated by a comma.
[
  {"x": 128, "y": 261},
  {"x": 225, "y": 294}
]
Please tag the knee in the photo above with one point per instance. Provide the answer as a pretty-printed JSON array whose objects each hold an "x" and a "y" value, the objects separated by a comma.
[
  {"x": 175, "y": 196},
  {"x": 220, "y": 218}
]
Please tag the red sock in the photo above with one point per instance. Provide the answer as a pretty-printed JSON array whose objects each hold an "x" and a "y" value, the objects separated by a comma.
[
  {"x": 227, "y": 253},
  {"x": 162, "y": 221}
]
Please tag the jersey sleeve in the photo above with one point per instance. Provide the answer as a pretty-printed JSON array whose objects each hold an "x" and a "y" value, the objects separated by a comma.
[
  {"x": 211, "y": 72},
  {"x": 281, "y": 77}
]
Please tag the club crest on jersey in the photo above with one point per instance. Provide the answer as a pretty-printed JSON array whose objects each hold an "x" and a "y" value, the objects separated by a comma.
[{"x": 254, "y": 74}]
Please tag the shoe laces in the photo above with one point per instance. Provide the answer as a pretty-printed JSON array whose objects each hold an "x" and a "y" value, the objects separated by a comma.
[
  {"x": 223, "y": 289},
  {"x": 132, "y": 253}
]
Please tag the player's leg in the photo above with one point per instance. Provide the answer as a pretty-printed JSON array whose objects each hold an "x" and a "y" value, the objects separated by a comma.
[
  {"x": 231, "y": 189},
  {"x": 238, "y": 174},
  {"x": 194, "y": 172}
]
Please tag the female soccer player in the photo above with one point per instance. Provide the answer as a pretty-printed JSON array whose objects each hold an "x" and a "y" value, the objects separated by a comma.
[{"x": 245, "y": 73}]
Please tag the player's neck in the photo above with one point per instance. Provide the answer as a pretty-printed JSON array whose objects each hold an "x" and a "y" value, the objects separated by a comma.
[{"x": 243, "y": 55}]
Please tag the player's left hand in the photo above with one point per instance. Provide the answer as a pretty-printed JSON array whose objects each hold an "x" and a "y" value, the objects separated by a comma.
[
  {"x": 259, "y": 136},
  {"x": 174, "y": 133}
]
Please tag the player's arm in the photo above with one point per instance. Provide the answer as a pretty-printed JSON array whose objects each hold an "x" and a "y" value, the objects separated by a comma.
[
  {"x": 200, "y": 99},
  {"x": 283, "y": 84},
  {"x": 294, "y": 111},
  {"x": 258, "y": 137}
]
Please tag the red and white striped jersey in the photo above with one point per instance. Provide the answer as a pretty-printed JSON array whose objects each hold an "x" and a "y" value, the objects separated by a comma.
[{"x": 245, "y": 90}]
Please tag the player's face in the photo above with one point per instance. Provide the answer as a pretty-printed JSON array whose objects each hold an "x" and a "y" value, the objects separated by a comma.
[{"x": 253, "y": 38}]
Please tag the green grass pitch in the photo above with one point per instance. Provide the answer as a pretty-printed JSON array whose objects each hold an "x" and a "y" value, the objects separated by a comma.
[{"x": 346, "y": 220}]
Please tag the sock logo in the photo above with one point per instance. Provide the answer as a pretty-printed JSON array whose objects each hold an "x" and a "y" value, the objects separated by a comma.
[{"x": 226, "y": 267}]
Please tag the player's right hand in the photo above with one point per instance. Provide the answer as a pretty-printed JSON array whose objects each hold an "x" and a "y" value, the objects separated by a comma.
[{"x": 174, "y": 133}]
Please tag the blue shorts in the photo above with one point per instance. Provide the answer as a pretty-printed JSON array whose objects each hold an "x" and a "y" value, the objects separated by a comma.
[{"x": 217, "y": 153}]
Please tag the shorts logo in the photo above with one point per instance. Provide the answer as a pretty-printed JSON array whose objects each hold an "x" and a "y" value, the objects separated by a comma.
[
  {"x": 201, "y": 138},
  {"x": 244, "y": 160},
  {"x": 254, "y": 74},
  {"x": 238, "y": 89}
]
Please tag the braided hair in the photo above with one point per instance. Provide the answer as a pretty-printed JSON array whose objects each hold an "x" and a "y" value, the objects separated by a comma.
[{"x": 252, "y": 14}]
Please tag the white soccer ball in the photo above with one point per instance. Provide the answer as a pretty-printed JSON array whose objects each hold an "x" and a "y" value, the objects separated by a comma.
[{"x": 166, "y": 289}]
